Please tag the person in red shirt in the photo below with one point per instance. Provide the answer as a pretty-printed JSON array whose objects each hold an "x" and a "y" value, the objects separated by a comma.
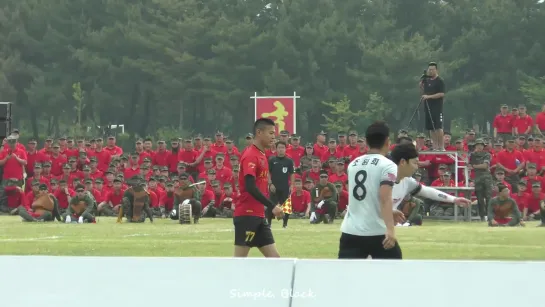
[
  {"x": 162, "y": 154},
  {"x": 166, "y": 202},
  {"x": 37, "y": 176},
  {"x": 249, "y": 142},
  {"x": 133, "y": 168},
  {"x": 295, "y": 151},
  {"x": 189, "y": 156},
  {"x": 223, "y": 174},
  {"x": 64, "y": 194},
  {"x": 331, "y": 152},
  {"x": 114, "y": 150},
  {"x": 33, "y": 191},
  {"x": 13, "y": 160},
  {"x": 96, "y": 193},
  {"x": 339, "y": 175},
  {"x": 503, "y": 124},
  {"x": 351, "y": 151},
  {"x": 219, "y": 145},
  {"x": 523, "y": 123},
  {"x": 540, "y": 122},
  {"x": 500, "y": 178},
  {"x": 512, "y": 162},
  {"x": 320, "y": 148},
  {"x": 57, "y": 160},
  {"x": 343, "y": 197},
  {"x": 251, "y": 229},
  {"x": 314, "y": 172},
  {"x": 47, "y": 150},
  {"x": 33, "y": 157},
  {"x": 206, "y": 166},
  {"x": 521, "y": 197},
  {"x": 533, "y": 208},
  {"x": 113, "y": 200},
  {"x": 228, "y": 201},
  {"x": 300, "y": 199}
]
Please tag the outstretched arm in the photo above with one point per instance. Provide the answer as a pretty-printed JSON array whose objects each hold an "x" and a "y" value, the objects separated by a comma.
[{"x": 436, "y": 195}]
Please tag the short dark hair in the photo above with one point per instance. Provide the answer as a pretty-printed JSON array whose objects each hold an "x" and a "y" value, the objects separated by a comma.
[
  {"x": 281, "y": 143},
  {"x": 432, "y": 64},
  {"x": 403, "y": 152},
  {"x": 261, "y": 123},
  {"x": 377, "y": 134},
  {"x": 501, "y": 187}
]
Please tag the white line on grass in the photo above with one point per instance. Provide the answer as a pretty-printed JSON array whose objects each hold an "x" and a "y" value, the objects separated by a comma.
[{"x": 31, "y": 239}]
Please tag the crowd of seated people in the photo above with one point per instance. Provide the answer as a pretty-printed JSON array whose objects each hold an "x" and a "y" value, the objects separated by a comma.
[{"x": 101, "y": 168}]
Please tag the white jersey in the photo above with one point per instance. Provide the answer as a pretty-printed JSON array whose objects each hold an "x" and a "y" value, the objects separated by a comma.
[{"x": 365, "y": 176}]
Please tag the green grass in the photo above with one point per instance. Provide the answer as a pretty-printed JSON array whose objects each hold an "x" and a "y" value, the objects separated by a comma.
[{"x": 214, "y": 237}]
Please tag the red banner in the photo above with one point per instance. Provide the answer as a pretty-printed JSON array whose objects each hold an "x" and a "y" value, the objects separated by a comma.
[{"x": 279, "y": 109}]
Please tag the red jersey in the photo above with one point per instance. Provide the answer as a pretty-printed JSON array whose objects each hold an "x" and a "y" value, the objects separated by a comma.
[
  {"x": 351, "y": 152},
  {"x": 189, "y": 157},
  {"x": 521, "y": 200},
  {"x": 319, "y": 150},
  {"x": 253, "y": 163},
  {"x": 114, "y": 151},
  {"x": 314, "y": 176},
  {"x": 114, "y": 197},
  {"x": 343, "y": 177},
  {"x": 207, "y": 197},
  {"x": 15, "y": 197},
  {"x": 63, "y": 198},
  {"x": 328, "y": 154},
  {"x": 533, "y": 203},
  {"x": 300, "y": 202},
  {"x": 343, "y": 200},
  {"x": 33, "y": 158},
  {"x": 522, "y": 123},
  {"x": 12, "y": 167},
  {"x": 503, "y": 124},
  {"x": 161, "y": 158},
  {"x": 296, "y": 153},
  {"x": 540, "y": 121}
]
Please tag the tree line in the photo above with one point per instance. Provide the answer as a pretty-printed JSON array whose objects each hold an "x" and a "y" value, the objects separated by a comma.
[{"x": 191, "y": 66}]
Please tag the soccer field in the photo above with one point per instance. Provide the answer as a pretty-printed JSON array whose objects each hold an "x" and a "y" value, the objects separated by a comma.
[{"x": 214, "y": 237}]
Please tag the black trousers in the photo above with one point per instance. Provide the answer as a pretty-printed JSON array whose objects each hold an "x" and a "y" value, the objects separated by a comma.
[{"x": 359, "y": 247}]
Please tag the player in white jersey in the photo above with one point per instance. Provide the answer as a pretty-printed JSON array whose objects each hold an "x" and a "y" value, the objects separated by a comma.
[{"x": 376, "y": 186}]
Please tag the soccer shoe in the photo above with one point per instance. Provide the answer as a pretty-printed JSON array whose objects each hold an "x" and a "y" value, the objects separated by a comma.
[
  {"x": 68, "y": 219},
  {"x": 80, "y": 220}
]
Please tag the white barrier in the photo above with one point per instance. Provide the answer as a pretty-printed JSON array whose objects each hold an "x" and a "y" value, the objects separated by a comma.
[
  {"x": 418, "y": 283},
  {"x": 147, "y": 282},
  {"x": 119, "y": 281}
]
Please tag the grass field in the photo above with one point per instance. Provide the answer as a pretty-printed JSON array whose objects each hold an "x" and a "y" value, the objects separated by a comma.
[{"x": 214, "y": 237}]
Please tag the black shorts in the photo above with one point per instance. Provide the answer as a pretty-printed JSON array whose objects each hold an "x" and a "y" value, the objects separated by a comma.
[
  {"x": 279, "y": 196},
  {"x": 359, "y": 247},
  {"x": 252, "y": 231},
  {"x": 433, "y": 112}
]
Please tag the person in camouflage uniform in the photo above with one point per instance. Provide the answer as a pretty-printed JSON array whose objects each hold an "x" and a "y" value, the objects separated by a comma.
[
  {"x": 306, "y": 159},
  {"x": 187, "y": 192},
  {"x": 44, "y": 208},
  {"x": 503, "y": 210},
  {"x": 479, "y": 161},
  {"x": 81, "y": 207},
  {"x": 324, "y": 200},
  {"x": 411, "y": 208},
  {"x": 136, "y": 201},
  {"x": 443, "y": 209}
]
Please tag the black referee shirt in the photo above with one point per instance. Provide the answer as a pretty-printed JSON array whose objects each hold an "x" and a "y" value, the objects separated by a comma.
[{"x": 281, "y": 169}]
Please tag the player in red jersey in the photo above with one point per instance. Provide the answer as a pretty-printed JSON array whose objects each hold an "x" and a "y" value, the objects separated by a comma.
[{"x": 251, "y": 227}]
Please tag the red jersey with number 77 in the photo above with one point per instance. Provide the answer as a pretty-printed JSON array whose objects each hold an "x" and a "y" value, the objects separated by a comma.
[{"x": 253, "y": 162}]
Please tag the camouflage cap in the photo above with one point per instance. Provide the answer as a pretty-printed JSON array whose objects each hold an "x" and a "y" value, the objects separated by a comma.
[
  {"x": 208, "y": 159},
  {"x": 72, "y": 159},
  {"x": 147, "y": 159},
  {"x": 37, "y": 165},
  {"x": 421, "y": 136},
  {"x": 417, "y": 174},
  {"x": 523, "y": 182},
  {"x": 498, "y": 143},
  {"x": 458, "y": 141},
  {"x": 155, "y": 168},
  {"x": 308, "y": 180},
  {"x": 352, "y": 133},
  {"x": 62, "y": 181},
  {"x": 443, "y": 166},
  {"x": 530, "y": 138},
  {"x": 93, "y": 159},
  {"x": 341, "y": 134},
  {"x": 220, "y": 155},
  {"x": 322, "y": 133},
  {"x": 211, "y": 171},
  {"x": 332, "y": 141},
  {"x": 88, "y": 181},
  {"x": 324, "y": 173},
  {"x": 332, "y": 159},
  {"x": 340, "y": 161},
  {"x": 314, "y": 159},
  {"x": 56, "y": 145},
  {"x": 536, "y": 185},
  {"x": 284, "y": 133},
  {"x": 500, "y": 171},
  {"x": 35, "y": 183},
  {"x": 143, "y": 166},
  {"x": 43, "y": 187},
  {"x": 295, "y": 137},
  {"x": 152, "y": 178},
  {"x": 183, "y": 176},
  {"x": 522, "y": 137},
  {"x": 164, "y": 169},
  {"x": 309, "y": 145},
  {"x": 215, "y": 183},
  {"x": 99, "y": 180},
  {"x": 227, "y": 185},
  {"x": 249, "y": 136},
  {"x": 447, "y": 173},
  {"x": 182, "y": 164},
  {"x": 66, "y": 166},
  {"x": 233, "y": 158},
  {"x": 53, "y": 181},
  {"x": 480, "y": 141},
  {"x": 531, "y": 165},
  {"x": 338, "y": 184},
  {"x": 504, "y": 106},
  {"x": 116, "y": 179},
  {"x": 86, "y": 168}
]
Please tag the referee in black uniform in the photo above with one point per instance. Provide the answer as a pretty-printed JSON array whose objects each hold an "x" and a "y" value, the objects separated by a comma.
[
  {"x": 282, "y": 172},
  {"x": 433, "y": 89}
]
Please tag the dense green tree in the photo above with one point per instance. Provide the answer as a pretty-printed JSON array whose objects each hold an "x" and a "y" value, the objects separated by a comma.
[{"x": 192, "y": 65}]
